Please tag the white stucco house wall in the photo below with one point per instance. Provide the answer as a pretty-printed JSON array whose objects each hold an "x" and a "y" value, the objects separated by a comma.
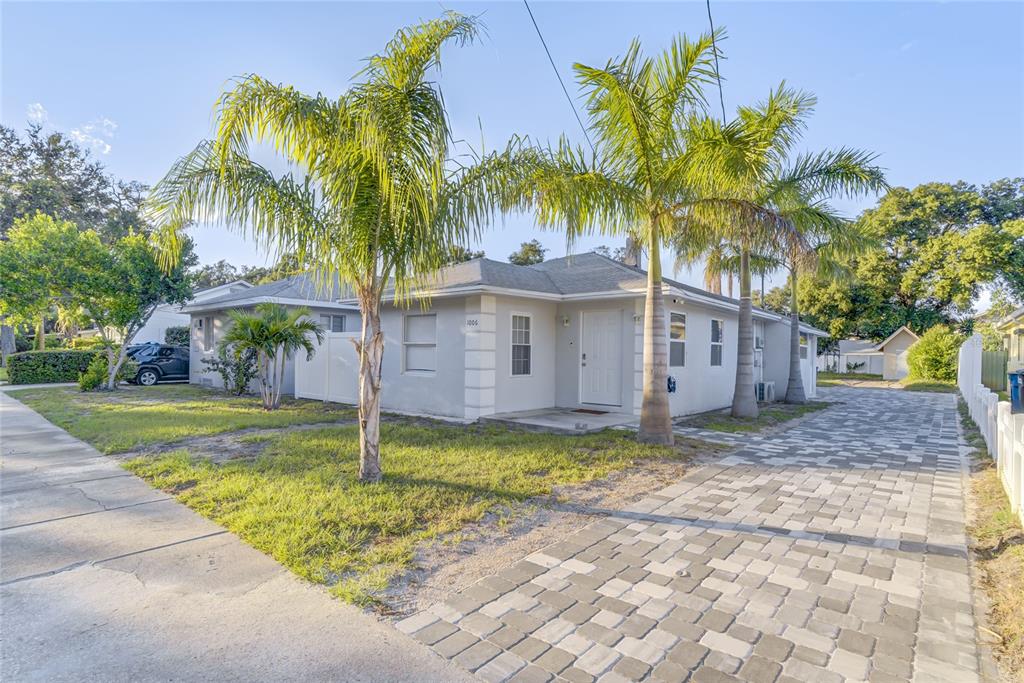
[
  {"x": 171, "y": 315},
  {"x": 208, "y": 319},
  {"x": 488, "y": 338}
]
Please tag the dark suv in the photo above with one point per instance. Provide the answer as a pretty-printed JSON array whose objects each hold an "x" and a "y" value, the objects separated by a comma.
[{"x": 159, "y": 362}]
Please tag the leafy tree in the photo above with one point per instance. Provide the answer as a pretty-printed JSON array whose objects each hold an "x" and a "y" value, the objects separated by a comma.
[
  {"x": 461, "y": 254},
  {"x": 939, "y": 245},
  {"x": 215, "y": 275},
  {"x": 118, "y": 287},
  {"x": 635, "y": 182},
  {"x": 50, "y": 173},
  {"x": 617, "y": 254},
  {"x": 273, "y": 333},
  {"x": 528, "y": 254},
  {"x": 39, "y": 261},
  {"x": 286, "y": 266},
  {"x": 378, "y": 201}
]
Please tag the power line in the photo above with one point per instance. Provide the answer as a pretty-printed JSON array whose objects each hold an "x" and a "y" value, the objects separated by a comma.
[
  {"x": 714, "y": 47},
  {"x": 559, "y": 77}
]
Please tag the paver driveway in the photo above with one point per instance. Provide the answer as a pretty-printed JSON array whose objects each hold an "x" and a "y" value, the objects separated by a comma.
[{"x": 835, "y": 550}]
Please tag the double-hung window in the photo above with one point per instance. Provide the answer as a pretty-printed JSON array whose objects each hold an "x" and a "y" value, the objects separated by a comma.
[
  {"x": 332, "y": 323},
  {"x": 677, "y": 340},
  {"x": 206, "y": 328},
  {"x": 521, "y": 349},
  {"x": 419, "y": 341},
  {"x": 717, "y": 341},
  {"x": 803, "y": 346}
]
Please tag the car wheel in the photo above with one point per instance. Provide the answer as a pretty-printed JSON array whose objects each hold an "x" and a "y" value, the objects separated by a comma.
[{"x": 147, "y": 378}]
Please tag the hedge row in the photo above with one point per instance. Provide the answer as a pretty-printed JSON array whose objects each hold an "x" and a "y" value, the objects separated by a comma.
[{"x": 47, "y": 367}]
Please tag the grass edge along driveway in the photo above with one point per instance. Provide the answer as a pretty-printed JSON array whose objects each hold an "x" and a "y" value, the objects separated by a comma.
[{"x": 297, "y": 498}]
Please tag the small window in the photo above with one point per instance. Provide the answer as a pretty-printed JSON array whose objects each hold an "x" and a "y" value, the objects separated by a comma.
[
  {"x": 677, "y": 340},
  {"x": 206, "y": 325},
  {"x": 717, "y": 340},
  {"x": 420, "y": 342},
  {"x": 332, "y": 323},
  {"x": 521, "y": 345},
  {"x": 803, "y": 346}
]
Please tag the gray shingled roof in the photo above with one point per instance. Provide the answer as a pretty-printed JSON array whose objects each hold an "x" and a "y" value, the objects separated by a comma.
[
  {"x": 300, "y": 287},
  {"x": 854, "y": 345}
]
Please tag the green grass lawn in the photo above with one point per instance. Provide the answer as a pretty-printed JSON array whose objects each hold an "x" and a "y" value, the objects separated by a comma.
[
  {"x": 928, "y": 385},
  {"x": 847, "y": 375},
  {"x": 771, "y": 414},
  {"x": 3, "y": 374},
  {"x": 300, "y": 502},
  {"x": 135, "y": 417}
]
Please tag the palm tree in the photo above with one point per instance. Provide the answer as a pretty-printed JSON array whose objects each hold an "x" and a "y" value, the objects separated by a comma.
[
  {"x": 638, "y": 109},
  {"x": 770, "y": 204},
  {"x": 273, "y": 333},
  {"x": 378, "y": 199}
]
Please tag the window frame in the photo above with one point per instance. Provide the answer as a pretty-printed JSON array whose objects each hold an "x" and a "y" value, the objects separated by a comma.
[
  {"x": 681, "y": 341},
  {"x": 331, "y": 317},
  {"x": 720, "y": 343},
  {"x": 512, "y": 344},
  {"x": 406, "y": 370},
  {"x": 805, "y": 345},
  {"x": 206, "y": 325}
]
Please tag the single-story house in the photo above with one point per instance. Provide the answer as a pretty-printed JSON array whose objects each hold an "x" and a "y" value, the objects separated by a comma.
[
  {"x": 1012, "y": 328},
  {"x": 488, "y": 338},
  {"x": 888, "y": 358},
  {"x": 209, "y": 319},
  {"x": 172, "y": 315},
  {"x": 866, "y": 360}
]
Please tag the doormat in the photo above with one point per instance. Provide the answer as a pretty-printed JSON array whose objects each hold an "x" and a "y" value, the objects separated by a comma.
[{"x": 588, "y": 411}]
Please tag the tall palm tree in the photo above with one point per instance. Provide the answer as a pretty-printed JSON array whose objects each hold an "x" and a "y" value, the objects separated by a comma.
[
  {"x": 377, "y": 198},
  {"x": 273, "y": 333},
  {"x": 638, "y": 108},
  {"x": 771, "y": 204}
]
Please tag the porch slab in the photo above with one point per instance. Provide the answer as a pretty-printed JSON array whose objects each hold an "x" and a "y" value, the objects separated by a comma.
[{"x": 564, "y": 420}]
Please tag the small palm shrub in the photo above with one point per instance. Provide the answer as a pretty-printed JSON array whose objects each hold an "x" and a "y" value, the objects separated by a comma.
[
  {"x": 934, "y": 356},
  {"x": 273, "y": 333}
]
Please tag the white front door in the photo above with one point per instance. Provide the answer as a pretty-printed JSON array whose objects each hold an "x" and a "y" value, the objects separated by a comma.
[{"x": 601, "y": 358}]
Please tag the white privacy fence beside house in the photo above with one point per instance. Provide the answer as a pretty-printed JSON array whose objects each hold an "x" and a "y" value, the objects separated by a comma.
[{"x": 1003, "y": 432}]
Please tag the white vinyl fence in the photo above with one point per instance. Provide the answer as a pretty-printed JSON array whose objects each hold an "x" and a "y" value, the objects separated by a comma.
[{"x": 1002, "y": 431}]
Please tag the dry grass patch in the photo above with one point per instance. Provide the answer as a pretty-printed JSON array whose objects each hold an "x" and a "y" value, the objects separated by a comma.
[
  {"x": 998, "y": 545},
  {"x": 772, "y": 415},
  {"x": 300, "y": 502}
]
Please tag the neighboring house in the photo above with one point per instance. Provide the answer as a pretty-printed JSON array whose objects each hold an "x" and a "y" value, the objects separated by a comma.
[
  {"x": 864, "y": 361},
  {"x": 494, "y": 338},
  {"x": 209, "y": 319},
  {"x": 170, "y": 315},
  {"x": 888, "y": 359},
  {"x": 1012, "y": 328}
]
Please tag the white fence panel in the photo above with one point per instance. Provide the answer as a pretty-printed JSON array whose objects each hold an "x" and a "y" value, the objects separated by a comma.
[
  {"x": 1003, "y": 432},
  {"x": 333, "y": 372}
]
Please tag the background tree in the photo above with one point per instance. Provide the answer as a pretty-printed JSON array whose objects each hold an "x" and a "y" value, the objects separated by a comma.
[
  {"x": 461, "y": 254},
  {"x": 528, "y": 254},
  {"x": 215, "y": 275},
  {"x": 273, "y": 334},
  {"x": 616, "y": 254},
  {"x": 378, "y": 202}
]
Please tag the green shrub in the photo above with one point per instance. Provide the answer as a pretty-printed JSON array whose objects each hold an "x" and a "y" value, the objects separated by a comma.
[
  {"x": 95, "y": 342},
  {"x": 28, "y": 343},
  {"x": 237, "y": 367},
  {"x": 95, "y": 376},
  {"x": 178, "y": 335},
  {"x": 47, "y": 367},
  {"x": 934, "y": 356}
]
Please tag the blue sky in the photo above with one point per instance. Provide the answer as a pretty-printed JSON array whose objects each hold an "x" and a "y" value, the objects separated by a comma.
[{"x": 934, "y": 88}]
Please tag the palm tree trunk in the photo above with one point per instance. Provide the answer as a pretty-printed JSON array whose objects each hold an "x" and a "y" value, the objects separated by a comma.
[
  {"x": 744, "y": 403},
  {"x": 795, "y": 388},
  {"x": 655, "y": 416},
  {"x": 41, "y": 334},
  {"x": 371, "y": 357}
]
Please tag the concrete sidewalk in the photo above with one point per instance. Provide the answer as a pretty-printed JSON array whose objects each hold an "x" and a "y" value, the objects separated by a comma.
[{"x": 105, "y": 578}]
